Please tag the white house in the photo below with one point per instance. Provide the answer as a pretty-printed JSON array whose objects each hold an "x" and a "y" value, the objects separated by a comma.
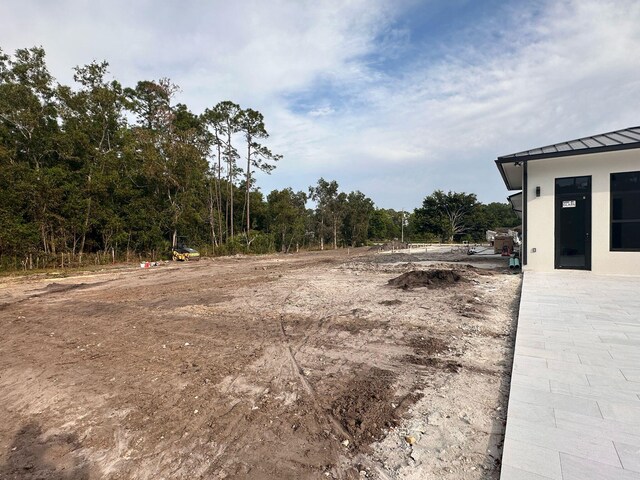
[{"x": 579, "y": 203}]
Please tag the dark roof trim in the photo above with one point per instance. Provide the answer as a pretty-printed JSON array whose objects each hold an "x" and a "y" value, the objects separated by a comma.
[
  {"x": 510, "y": 199},
  {"x": 501, "y": 170},
  {"x": 624, "y": 139}
]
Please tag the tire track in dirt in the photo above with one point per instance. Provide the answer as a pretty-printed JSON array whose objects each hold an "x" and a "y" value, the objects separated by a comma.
[
  {"x": 312, "y": 330},
  {"x": 232, "y": 439},
  {"x": 299, "y": 374},
  {"x": 337, "y": 427},
  {"x": 53, "y": 289}
]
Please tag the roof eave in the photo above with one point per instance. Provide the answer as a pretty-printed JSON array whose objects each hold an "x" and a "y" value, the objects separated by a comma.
[
  {"x": 567, "y": 153},
  {"x": 499, "y": 162}
]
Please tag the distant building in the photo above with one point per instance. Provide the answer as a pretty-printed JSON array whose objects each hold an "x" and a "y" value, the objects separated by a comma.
[{"x": 579, "y": 203}]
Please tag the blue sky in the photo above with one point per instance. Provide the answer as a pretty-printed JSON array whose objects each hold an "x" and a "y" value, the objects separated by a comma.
[{"x": 393, "y": 98}]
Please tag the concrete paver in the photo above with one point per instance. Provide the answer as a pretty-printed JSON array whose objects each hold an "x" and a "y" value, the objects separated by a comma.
[{"x": 574, "y": 403}]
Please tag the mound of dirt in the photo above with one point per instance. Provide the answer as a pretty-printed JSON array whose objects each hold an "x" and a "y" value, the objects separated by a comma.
[
  {"x": 426, "y": 278},
  {"x": 365, "y": 409}
]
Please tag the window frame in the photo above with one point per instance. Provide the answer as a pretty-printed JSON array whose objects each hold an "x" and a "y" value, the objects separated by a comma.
[{"x": 611, "y": 219}]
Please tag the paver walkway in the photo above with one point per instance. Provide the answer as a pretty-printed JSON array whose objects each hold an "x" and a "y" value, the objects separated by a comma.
[{"x": 574, "y": 404}]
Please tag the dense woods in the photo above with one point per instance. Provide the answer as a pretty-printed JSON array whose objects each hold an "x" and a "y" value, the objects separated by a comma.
[{"x": 99, "y": 172}]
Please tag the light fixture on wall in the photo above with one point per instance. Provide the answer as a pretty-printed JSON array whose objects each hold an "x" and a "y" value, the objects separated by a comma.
[{"x": 537, "y": 191}]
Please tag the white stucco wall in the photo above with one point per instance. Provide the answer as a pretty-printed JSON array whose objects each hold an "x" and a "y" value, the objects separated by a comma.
[{"x": 541, "y": 213}]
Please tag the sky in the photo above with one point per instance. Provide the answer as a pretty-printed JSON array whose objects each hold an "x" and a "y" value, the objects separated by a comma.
[{"x": 394, "y": 98}]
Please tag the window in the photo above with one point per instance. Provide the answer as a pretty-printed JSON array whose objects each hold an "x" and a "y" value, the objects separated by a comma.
[
  {"x": 625, "y": 211},
  {"x": 573, "y": 185}
]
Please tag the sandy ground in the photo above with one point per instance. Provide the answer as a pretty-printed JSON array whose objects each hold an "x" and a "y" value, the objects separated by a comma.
[{"x": 277, "y": 367}]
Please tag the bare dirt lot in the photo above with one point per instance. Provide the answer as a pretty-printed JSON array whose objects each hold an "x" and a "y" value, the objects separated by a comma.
[{"x": 277, "y": 367}]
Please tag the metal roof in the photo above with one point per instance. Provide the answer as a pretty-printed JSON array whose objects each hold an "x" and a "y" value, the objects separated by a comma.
[
  {"x": 617, "y": 140},
  {"x": 510, "y": 165}
]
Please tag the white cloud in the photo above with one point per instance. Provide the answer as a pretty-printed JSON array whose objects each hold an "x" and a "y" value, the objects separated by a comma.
[
  {"x": 321, "y": 111},
  {"x": 444, "y": 123},
  {"x": 543, "y": 72}
]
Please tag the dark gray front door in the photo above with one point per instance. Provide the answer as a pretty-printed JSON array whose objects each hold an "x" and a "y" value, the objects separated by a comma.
[{"x": 573, "y": 223}]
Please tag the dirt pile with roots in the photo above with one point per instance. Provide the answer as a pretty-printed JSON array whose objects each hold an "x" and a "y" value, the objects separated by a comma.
[{"x": 438, "y": 278}]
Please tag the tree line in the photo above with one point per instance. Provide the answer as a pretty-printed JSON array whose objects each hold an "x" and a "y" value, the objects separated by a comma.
[{"x": 98, "y": 171}]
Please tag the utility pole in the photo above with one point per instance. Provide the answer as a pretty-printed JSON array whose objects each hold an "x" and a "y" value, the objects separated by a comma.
[{"x": 402, "y": 227}]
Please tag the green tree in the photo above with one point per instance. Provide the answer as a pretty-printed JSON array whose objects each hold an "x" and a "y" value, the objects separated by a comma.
[
  {"x": 214, "y": 120},
  {"x": 386, "y": 224},
  {"x": 286, "y": 215},
  {"x": 500, "y": 215},
  {"x": 330, "y": 206},
  {"x": 379, "y": 224},
  {"x": 447, "y": 215},
  {"x": 93, "y": 122},
  {"x": 358, "y": 212},
  {"x": 251, "y": 124},
  {"x": 231, "y": 114},
  {"x": 29, "y": 132},
  {"x": 173, "y": 147},
  {"x": 490, "y": 217}
]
